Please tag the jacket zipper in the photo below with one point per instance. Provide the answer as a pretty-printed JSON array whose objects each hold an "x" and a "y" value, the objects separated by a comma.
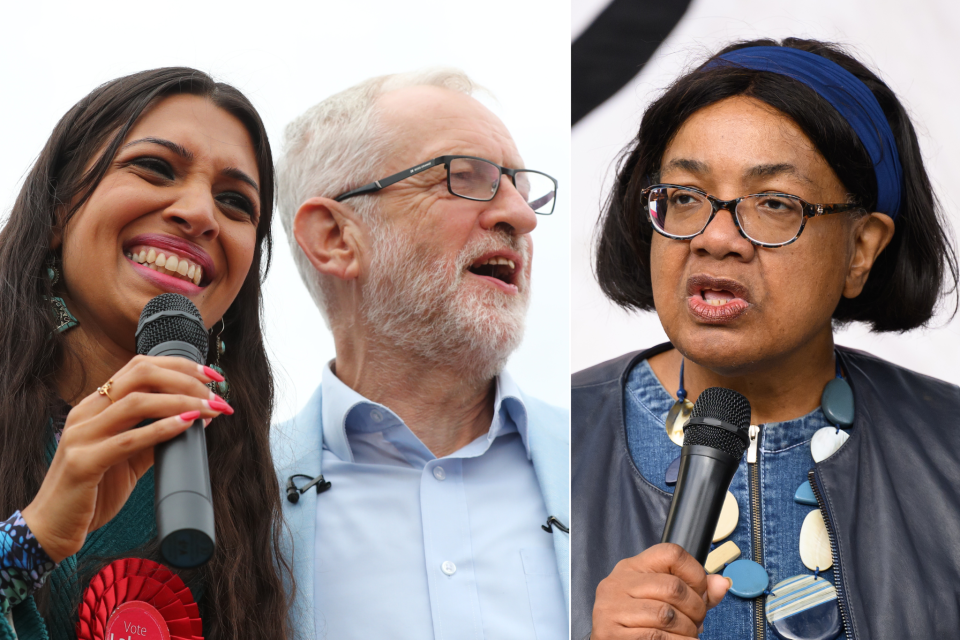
[
  {"x": 760, "y": 628},
  {"x": 838, "y": 581}
]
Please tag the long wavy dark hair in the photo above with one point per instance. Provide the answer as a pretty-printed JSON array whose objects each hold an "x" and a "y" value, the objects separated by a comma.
[
  {"x": 909, "y": 278},
  {"x": 242, "y": 585}
]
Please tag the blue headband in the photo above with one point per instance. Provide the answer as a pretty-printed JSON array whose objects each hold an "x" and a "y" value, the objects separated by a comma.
[{"x": 849, "y": 96}]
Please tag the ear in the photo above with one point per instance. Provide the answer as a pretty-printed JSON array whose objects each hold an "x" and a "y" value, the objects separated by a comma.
[
  {"x": 871, "y": 236},
  {"x": 328, "y": 234}
]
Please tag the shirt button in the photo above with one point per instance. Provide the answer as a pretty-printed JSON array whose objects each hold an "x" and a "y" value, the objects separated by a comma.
[
  {"x": 439, "y": 473},
  {"x": 376, "y": 416},
  {"x": 448, "y": 568}
]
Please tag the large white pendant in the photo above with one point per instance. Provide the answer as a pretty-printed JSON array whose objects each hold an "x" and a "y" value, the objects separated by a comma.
[
  {"x": 729, "y": 516},
  {"x": 815, "y": 543},
  {"x": 826, "y": 441}
]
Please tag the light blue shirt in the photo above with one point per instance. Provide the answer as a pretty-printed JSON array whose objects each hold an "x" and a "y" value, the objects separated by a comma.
[{"x": 411, "y": 546}]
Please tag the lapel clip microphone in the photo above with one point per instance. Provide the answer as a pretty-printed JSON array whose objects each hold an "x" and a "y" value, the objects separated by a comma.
[
  {"x": 553, "y": 522},
  {"x": 293, "y": 492}
]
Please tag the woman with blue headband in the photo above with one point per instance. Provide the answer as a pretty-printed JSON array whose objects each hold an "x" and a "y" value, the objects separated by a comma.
[{"x": 771, "y": 193}]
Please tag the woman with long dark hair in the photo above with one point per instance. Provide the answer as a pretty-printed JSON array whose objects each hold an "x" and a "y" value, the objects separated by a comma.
[
  {"x": 161, "y": 181},
  {"x": 772, "y": 193}
]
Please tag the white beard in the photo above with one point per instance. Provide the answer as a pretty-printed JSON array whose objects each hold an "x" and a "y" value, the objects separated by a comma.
[{"x": 422, "y": 305}]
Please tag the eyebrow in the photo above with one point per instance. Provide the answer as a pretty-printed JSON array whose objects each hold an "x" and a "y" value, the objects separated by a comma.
[
  {"x": 772, "y": 170},
  {"x": 685, "y": 164},
  {"x": 173, "y": 146},
  {"x": 236, "y": 174},
  {"x": 758, "y": 171},
  {"x": 186, "y": 154}
]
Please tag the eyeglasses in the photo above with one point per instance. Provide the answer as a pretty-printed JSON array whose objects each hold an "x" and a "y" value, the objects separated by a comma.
[
  {"x": 765, "y": 219},
  {"x": 476, "y": 179}
]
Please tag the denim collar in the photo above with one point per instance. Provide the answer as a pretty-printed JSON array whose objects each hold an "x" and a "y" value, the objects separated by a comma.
[{"x": 644, "y": 385}]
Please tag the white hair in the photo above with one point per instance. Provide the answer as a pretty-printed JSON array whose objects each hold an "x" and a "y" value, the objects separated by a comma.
[{"x": 338, "y": 145}]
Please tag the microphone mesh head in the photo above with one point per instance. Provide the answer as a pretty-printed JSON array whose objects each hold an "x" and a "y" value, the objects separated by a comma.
[
  {"x": 170, "y": 328},
  {"x": 726, "y": 405}
]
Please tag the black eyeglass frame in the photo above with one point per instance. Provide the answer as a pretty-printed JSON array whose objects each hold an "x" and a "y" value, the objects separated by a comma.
[
  {"x": 810, "y": 210},
  {"x": 377, "y": 185}
]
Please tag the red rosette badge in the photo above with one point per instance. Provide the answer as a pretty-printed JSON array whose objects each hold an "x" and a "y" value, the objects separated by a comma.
[{"x": 136, "y": 599}]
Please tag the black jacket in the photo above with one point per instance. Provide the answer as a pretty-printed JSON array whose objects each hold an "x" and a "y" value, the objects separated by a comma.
[{"x": 890, "y": 497}]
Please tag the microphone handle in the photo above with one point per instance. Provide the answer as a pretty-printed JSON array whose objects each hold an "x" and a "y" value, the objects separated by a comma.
[
  {"x": 702, "y": 483},
  {"x": 184, "y": 500}
]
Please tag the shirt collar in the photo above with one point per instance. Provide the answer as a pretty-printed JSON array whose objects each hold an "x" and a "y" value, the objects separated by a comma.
[
  {"x": 344, "y": 409},
  {"x": 509, "y": 412}
]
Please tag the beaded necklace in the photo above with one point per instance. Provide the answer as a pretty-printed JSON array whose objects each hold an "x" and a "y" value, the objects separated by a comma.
[{"x": 802, "y": 607}]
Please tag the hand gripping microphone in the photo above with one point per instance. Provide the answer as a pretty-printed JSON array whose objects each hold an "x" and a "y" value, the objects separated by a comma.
[
  {"x": 713, "y": 444},
  {"x": 170, "y": 325}
]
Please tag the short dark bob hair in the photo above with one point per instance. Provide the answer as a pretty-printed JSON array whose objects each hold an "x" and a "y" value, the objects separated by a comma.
[{"x": 909, "y": 277}]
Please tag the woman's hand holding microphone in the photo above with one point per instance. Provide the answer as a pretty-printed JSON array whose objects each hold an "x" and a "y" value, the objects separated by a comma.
[
  {"x": 660, "y": 594},
  {"x": 101, "y": 456}
]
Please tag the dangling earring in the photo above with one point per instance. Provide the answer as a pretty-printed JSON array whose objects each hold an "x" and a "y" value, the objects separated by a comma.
[
  {"x": 222, "y": 389},
  {"x": 63, "y": 318}
]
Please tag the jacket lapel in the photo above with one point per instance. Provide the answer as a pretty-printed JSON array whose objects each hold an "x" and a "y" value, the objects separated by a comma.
[
  {"x": 548, "y": 434},
  {"x": 297, "y": 448}
]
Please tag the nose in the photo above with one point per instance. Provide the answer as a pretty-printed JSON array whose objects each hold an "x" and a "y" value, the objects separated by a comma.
[
  {"x": 509, "y": 208},
  {"x": 194, "y": 211},
  {"x": 722, "y": 238}
]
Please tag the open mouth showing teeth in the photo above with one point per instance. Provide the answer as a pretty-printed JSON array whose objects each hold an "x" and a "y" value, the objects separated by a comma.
[
  {"x": 715, "y": 297},
  {"x": 168, "y": 263},
  {"x": 498, "y": 267}
]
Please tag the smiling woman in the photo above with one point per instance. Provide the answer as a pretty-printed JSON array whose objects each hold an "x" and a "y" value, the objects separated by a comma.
[
  {"x": 770, "y": 193},
  {"x": 159, "y": 182},
  {"x": 180, "y": 191}
]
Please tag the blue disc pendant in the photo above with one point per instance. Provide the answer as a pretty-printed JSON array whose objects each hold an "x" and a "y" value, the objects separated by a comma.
[
  {"x": 804, "y": 607},
  {"x": 837, "y": 402},
  {"x": 804, "y": 495},
  {"x": 670, "y": 477},
  {"x": 749, "y": 578}
]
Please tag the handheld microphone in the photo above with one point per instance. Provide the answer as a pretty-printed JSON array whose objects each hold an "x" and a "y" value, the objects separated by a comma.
[
  {"x": 713, "y": 444},
  {"x": 170, "y": 325}
]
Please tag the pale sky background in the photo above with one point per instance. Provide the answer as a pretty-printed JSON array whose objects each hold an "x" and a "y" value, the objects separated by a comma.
[
  {"x": 915, "y": 47},
  {"x": 286, "y": 57}
]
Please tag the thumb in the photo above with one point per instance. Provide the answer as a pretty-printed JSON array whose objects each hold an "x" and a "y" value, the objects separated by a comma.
[{"x": 716, "y": 588}]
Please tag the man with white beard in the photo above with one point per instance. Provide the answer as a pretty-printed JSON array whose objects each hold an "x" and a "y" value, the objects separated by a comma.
[{"x": 427, "y": 495}]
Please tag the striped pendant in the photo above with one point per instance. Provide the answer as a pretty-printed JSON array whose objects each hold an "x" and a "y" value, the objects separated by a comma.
[{"x": 804, "y": 607}]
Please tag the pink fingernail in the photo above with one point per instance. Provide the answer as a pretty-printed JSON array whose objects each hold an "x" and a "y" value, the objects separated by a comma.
[
  {"x": 212, "y": 374},
  {"x": 189, "y": 416},
  {"x": 221, "y": 406}
]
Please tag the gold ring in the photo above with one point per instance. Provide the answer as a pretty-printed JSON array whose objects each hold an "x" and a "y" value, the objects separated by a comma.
[{"x": 105, "y": 390}]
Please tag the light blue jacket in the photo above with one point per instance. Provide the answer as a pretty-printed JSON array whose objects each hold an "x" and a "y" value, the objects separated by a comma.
[{"x": 297, "y": 446}]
